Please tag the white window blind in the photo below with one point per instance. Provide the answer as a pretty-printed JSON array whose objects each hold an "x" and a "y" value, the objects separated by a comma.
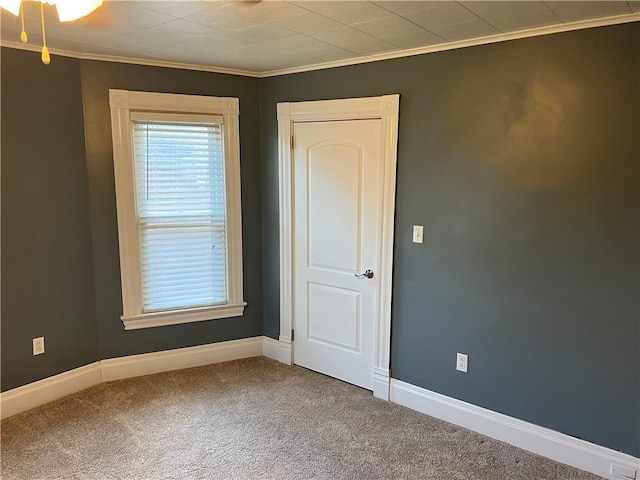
[
  {"x": 181, "y": 212},
  {"x": 176, "y": 162}
]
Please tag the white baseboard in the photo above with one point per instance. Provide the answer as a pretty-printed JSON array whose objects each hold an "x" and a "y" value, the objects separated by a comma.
[
  {"x": 286, "y": 351},
  {"x": 271, "y": 348},
  {"x": 381, "y": 383},
  {"x": 49, "y": 389},
  {"x": 167, "y": 360},
  {"x": 542, "y": 441}
]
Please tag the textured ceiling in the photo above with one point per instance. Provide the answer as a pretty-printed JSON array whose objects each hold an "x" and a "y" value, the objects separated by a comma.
[{"x": 269, "y": 36}]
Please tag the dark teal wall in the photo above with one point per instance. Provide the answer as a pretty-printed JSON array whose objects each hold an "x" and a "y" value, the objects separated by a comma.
[
  {"x": 47, "y": 270},
  {"x": 97, "y": 79},
  {"x": 60, "y": 262},
  {"x": 521, "y": 160}
]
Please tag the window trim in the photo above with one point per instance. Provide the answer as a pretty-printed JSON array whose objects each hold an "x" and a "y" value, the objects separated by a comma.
[{"x": 122, "y": 104}]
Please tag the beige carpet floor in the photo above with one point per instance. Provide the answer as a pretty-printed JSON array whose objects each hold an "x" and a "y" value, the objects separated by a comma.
[{"x": 250, "y": 419}]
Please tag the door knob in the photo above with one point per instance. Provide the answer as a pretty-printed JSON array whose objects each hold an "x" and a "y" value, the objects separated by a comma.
[{"x": 368, "y": 274}]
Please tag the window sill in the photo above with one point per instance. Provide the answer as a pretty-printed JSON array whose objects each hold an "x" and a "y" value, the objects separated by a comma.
[{"x": 161, "y": 319}]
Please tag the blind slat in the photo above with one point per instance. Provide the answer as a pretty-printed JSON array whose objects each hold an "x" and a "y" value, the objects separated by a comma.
[{"x": 181, "y": 206}]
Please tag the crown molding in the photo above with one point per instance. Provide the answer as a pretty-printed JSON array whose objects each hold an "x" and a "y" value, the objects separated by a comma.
[
  {"x": 131, "y": 60},
  {"x": 441, "y": 47}
]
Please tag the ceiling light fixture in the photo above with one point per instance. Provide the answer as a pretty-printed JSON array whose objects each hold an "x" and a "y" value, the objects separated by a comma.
[{"x": 68, "y": 10}]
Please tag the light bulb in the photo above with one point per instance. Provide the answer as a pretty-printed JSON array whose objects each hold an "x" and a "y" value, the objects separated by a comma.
[
  {"x": 11, "y": 5},
  {"x": 69, "y": 10}
]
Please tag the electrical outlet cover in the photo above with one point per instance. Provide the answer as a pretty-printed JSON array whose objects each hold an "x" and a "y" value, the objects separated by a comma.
[
  {"x": 462, "y": 362},
  {"x": 38, "y": 345}
]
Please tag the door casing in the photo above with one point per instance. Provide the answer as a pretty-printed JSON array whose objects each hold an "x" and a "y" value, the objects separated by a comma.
[{"x": 386, "y": 108}]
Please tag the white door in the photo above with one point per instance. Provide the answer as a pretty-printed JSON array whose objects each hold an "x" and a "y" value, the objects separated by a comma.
[{"x": 337, "y": 211}]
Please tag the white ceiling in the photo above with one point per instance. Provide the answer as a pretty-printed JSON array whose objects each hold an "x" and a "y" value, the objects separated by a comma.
[{"x": 273, "y": 36}]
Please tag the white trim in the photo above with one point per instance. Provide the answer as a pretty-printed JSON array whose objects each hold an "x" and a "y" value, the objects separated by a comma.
[
  {"x": 173, "y": 102},
  {"x": 542, "y": 441},
  {"x": 381, "y": 386},
  {"x": 278, "y": 350},
  {"x": 286, "y": 350},
  {"x": 49, "y": 389},
  {"x": 167, "y": 360},
  {"x": 231, "y": 133},
  {"x": 187, "y": 315},
  {"x": 125, "y": 105},
  {"x": 286, "y": 241},
  {"x": 343, "y": 109},
  {"x": 130, "y": 60},
  {"x": 442, "y": 47},
  {"x": 501, "y": 37},
  {"x": 390, "y": 110},
  {"x": 285, "y": 354},
  {"x": 271, "y": 348},
  {"x": 386, "y": 108}
]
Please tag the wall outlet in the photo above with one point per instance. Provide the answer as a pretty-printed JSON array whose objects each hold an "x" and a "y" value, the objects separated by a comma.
[
  {"x": 462, "y": 361},
  {"x": 38, "y": 345}
]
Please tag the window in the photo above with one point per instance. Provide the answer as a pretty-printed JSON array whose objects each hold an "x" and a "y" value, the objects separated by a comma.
[{"x": 177, "y": 172}]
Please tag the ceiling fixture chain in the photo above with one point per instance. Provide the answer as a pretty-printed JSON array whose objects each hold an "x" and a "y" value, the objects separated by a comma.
[
  {"x": 46, "y": 59},
  {"x": 68, "y": 11},
  {"x": 23, "y": 33}
]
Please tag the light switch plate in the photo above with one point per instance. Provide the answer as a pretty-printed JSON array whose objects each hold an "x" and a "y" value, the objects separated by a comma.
[{"x": 417, "y": 233}]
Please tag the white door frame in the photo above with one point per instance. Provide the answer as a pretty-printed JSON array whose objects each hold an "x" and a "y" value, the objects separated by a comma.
[{"x": 386, "y": 108}]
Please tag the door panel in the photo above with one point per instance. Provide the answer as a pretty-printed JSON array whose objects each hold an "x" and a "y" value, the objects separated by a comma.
[
  {"x": 336, "y": 211},
  {"x": 334, "y": 316},
  {"x": 334, "y": 239}
]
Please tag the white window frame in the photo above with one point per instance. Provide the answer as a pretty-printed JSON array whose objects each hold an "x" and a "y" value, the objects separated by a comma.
[{"x": 123, "y": 103}]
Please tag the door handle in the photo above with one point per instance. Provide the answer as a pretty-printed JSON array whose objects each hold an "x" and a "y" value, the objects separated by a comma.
[{"x": 368, "y": 274}]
